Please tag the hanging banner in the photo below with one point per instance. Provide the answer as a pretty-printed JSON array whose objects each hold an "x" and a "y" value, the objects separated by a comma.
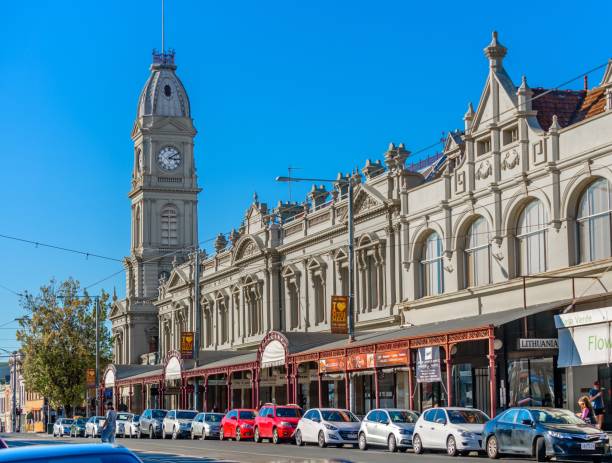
[
  {"x": 90, "y": 377},
  {"x": 391, "y": 358},
  {"x": 339, "y": 314},
  {"x": 331, "y": 364},
  {"x": 187, "y": 344},
  {"x": 428, "y": 365},
  {"x": 360, "y": 361}
]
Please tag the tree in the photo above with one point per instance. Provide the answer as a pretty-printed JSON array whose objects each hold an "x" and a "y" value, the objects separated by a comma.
[{"x": 58, "y": 340}]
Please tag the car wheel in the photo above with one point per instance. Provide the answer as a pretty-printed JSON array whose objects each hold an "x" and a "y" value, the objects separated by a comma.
[
  {"x": 138, "y": 434},
  {"x": 492, "y": 448},
  {"x": 363, "y": 443},
  {"x": 540, "y": 449},
  {"x": 221, "y": 434},
  {"x": 275, "y": 438},
  {"x": 321, "y": 440},
  {"x": 256, "y": 436},
  {"x": 451, "y": 446},
  {"x": 417, "y": 445},
  {"x": 392, "y": 444},
  {"x": 174, "y": 434},
  {"x": 238, "y": 436},
  {"x": 298, "y": 438},
  {"x": 163, "y": 436},
  {"x": 151, "y": 435},
  {"x": 192, "y": 435},
  {"x": 203, "y": 435}
]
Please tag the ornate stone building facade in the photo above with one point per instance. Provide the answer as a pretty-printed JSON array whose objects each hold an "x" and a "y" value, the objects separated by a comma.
[{"x": 514, "y": 213}]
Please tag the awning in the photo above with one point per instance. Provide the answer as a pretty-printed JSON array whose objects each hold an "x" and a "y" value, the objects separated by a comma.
[
  {"x": 173, "y": 369},
  {"x": 273, "y": 355},
  {"x": 585, "y": 338}
]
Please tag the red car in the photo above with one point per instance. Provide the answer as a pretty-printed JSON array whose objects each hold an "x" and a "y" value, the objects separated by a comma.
[
  {"x": 276, "y": 422},
  {"x": 237, "y": 424}
]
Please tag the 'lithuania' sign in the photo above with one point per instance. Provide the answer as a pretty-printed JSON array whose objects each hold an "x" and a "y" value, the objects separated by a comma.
[{"x": 538, "y": 343}]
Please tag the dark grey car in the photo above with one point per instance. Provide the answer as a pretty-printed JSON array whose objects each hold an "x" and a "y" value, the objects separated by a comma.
[{"x": 151, "y": 423}]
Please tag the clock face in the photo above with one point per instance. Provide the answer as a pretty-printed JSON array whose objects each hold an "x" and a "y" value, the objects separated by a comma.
[{"x": 169, "y": 158}]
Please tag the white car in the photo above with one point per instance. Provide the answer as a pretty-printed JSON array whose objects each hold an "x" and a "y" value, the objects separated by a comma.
[
  {"x": 388, "y": 427},
  {"x": 206, "y": 425},
  {"x": 132, "y": 427},
  {"x": 62, "y": 427},
  {"x": 458, "y": 430},
  {"x": 121, "y": 424},
  {"x": 94, "y": 426},
  {"x": 327, "y": 426},
  {"x": 178, "y": 423}
]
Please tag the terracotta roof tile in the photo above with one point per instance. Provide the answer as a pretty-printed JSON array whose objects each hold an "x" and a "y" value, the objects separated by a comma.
[
  {"x": 593, "y": 104},
  {"x": 564, "y": 103}
]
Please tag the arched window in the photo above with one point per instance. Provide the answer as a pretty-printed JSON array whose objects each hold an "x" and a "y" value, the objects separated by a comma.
[
  {"x": 595, "y": 222},
  {"x": 531, "y": 239},
  {"x": 477, "y": 254},
  {"x": 432, "y": 276},
  {"x": 169, "y": 226},
  {"x": 294, "y": 305},
  {"x": 137, "y": 232},
  {"x": 372, "y": 282},
  {"x": 319, "y": 298}
]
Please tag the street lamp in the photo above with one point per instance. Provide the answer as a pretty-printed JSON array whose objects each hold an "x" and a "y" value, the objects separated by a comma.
[{"x": 351, "y": 287}]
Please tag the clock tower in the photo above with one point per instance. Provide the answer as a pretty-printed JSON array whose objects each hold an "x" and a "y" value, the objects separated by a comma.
[{"x": 164, "y": 193}]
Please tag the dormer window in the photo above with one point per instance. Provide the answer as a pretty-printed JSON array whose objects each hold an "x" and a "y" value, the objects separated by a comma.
[
  {"x": 510, "y": 135},
  {"x": 483, "y": 146},
  {"x": 167, "y": 91}
]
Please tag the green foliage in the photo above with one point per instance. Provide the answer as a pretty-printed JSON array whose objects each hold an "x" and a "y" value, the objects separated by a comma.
[{"x": 58, "y": 339}]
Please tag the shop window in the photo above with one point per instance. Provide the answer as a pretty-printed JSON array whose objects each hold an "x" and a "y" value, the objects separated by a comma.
[
  {"x": 595, "y": 222},
  {"x": 531, "y": 382},
  {"x": 478, "y": 254},
  {"x": 464, "y": 385},
  {"x": 432, "y": 276},
  {"x": 531, "y": 239}
]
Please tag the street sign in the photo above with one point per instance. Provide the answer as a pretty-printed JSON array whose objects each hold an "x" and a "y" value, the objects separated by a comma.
[
  {"x": 187, "y": 344},
  {"x": 339, "y": 314},
  {"x": 90, "y": 377},
  {"x": 538, "y": 343},
  {"x": 428, "y": 365}
]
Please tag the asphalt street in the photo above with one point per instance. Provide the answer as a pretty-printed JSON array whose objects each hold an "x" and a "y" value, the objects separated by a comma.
[{"x": 187, "y": 451}]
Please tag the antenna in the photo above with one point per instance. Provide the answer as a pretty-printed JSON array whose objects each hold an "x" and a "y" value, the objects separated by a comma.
[{"x": 163, "y": 50}]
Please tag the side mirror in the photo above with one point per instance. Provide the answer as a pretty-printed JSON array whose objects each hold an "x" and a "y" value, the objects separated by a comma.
[
  {"x": 441, "y": 421},
  {"x": 234, "y": 418},
  {"x": 385, "y": 421},
  {"x": 527, "y": 422}
]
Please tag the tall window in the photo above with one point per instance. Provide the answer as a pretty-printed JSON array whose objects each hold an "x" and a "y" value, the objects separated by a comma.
[
  {"x": 477, "y": 254},
  {"x": 319, "y": 296},
  {"x": 431, "y": 266},
  {"x": 223, "y": 319},
  {"x": 595, "y": 222},
  {"x": 208, "y": 325},
  {"x": 372, "y": 282},
  {"x": 294, "y": 304},
  {"x": 169, "y": 226},
  {"x": 531, "y": 239}
]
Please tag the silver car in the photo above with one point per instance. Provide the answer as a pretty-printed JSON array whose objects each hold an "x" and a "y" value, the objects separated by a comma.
[
  {"x": 206, "y": 425},
  {"x": 121, "y": 425},
  {"x": 151, "y": 422},
  {"x": 133, "y": 427},
  {"x": 93, "y": 426},
  {"x": 62, "y": 427},
  {"x": 388, "y": 427},
  {"x": 177, "y": 423}
]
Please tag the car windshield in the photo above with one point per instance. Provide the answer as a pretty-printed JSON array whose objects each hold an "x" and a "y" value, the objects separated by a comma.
[
  {"x": 158, "y": 414},
  {"x": 287, "y": 412},
  {"x": 186, "y": 415},
  {"x": 556, "y": 416},
  {"x": 136, "y": 418},
  {"x": 213, "y": 418},
  {"x": 80, "y": 421},
  {"x": 67, "y": 421},
  {"x": 467, "y": 417},
  {"x": 123, "y": 416},
  {"x": 402, "y": 416},
  {"x": 246, "y": 415},
  {"x": 339, "y": 416}
]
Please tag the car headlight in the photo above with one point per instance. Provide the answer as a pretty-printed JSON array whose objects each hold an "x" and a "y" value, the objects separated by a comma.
[
  {"x": 560, "y": 435},
  {"x": 285, "y": 424},
  {"x": 247, "y": 426},
  {"x": 405, "y": 432},
  {"x": 467, "y": 434},
  {"x": 331, "y": 427}
]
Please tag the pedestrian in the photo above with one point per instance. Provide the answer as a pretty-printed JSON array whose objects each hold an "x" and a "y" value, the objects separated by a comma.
[
  {"x": 586, "y": 413},
  {"x": 596, "y": 398},
  {"x": 107, "y": 433}
]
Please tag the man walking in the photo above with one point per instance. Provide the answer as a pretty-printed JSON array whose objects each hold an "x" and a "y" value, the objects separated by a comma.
[
  {"x": 596, "y": 397},
  {"x": 107, "y": 433}
]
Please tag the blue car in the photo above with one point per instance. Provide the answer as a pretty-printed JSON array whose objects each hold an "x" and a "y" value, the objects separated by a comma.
[
  {"x": 543, "y": 433},
  {"x": 68, "y": 453}
]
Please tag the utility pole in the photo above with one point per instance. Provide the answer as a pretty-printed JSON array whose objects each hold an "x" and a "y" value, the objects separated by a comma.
[
  {"x": 198, "y": 322},
  {"x": 14, "y": 413},
  {"x": 97, "y": 315}
]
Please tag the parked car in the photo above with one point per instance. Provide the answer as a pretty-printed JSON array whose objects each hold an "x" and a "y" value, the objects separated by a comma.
[
  {"x": 456, "y": 429},
  {"x": 78, "y": 427},
  {"x": 151, "y": 422},
  {"x": 62, "y": 427},
  {"x": 177, "y": 423},
  {"x": 123, "y": 418},
  {"x": 206, "y": 425},
  {"x": 69, "y": 453},
  {"x": 93, "y": 426},
  {"x": 328, "y": 426},
  {"x": 276, "y": 422},
  {"x": 237, "y": 424},
  {"x": 132, "y": 427},
  {"x": 388, "y": 427},
  {"x": 543, "y": 433}
]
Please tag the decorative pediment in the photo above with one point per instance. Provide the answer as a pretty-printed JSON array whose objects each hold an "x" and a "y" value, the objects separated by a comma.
[
  {"x": 178, "y": 278},
  {"x": 247, "y": 246},
  {"x": 171, "y": 124},
  {"x": 453, "y": 141},
  {"x": 315, "y": 263},
  {"x": 366, "y": 198},
  {"x": 486, "y": 111},
  {"x": 290, "y": 271},
  {"x": 117, "y": 308}
]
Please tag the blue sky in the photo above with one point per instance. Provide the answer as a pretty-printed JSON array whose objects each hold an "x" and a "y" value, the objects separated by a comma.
[{"x": 322, "y": 85}]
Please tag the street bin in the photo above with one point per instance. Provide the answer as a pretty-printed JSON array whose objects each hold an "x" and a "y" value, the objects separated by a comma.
[{"x": 49, "y": 428}]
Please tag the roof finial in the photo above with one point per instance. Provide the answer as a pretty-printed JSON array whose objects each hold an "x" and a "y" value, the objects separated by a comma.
[{"x": 495, "y": 52}]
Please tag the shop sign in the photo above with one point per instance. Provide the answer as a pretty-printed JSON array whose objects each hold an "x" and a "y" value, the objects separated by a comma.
[
  {"x": 538, "y": 343},
  {"x": 331, "y": 364},
  {"x": 391, "y": 358},
  {"x": 187, "y": 344},
  {"x": 91, "y": 377},
  {"x": 428, "y": 365},
  {"x": 585, "y": 345},
  {"x": 360, "y": 361},
  {"x": 339, "y": 314},
  {"x": 586, "y": 317}
]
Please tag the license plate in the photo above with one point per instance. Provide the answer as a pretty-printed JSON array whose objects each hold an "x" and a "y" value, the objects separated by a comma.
[
  {"x": 587, "y": 446},
  {"x": 352, "y": 435}
]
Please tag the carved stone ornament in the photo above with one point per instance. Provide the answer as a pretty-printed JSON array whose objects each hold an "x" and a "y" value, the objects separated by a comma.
[
  {"x": 484, "y": 170},
  {"x": 448, "y": 263},
  {"x": 511, "y": 159},
  {"x": 497, "y": 251}
]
